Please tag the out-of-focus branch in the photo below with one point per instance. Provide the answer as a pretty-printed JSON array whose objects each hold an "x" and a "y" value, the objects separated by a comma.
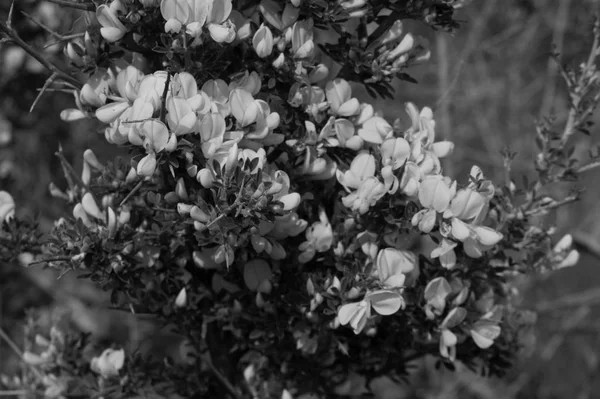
[
  {"x": 588, "y": 167},
  {"x": 72, "y": 4},
  {"x": 578, "y": 88},
  {"x": 10, "y": 34},
  {"x": 585, "y": 298}
]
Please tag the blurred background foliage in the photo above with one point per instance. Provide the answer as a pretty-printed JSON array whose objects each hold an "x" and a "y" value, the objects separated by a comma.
[{"x": 488, "y": 85}]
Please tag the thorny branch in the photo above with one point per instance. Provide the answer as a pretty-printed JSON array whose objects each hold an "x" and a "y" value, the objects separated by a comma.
[
  {"x": 60, "y": 74},
  {"x": 72, "y": 4}
]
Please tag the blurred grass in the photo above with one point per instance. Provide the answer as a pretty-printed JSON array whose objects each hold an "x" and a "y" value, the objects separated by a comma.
[{"x": 487, "y": 85}]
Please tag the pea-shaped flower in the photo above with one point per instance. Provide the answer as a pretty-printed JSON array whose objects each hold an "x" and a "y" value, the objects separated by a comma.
[
  {"x": 339, "y": 96},
  {"x": 220, "y": 28},
  {"x": 466, "y": 205},
  {"x": 152, "y": 87},
  {"x": 212, "y": 129},
  {"x": 375, "y": 130},
  {"x": 436, "y": 292},
  {"x": 368, "y": 193},
  {"x": 361, "y": 168},
  {"x": 410, "y": 181},
  {"x": 128, "y": 81},
  {"x": 197, "y": 15},
  {"x": 343, "y": 131},
  {"x": 155, "y": 135},
  {"x": 243, "y": 107},
  {"x": 98, "y": 86},
  {"x": 442, "y": 149},
  {"x": 180, "y": 116},
  {"x": 108, "y": 363},
  {"x": 7, "y": 206},
  {"x": 484, "y": 332},
  {"x": 176, "y": 13},
  {"x": 448, "y": 339},
  {"x": 394, "y": 152},
  {"x": 435, "y": 192},
  {"x": 263, "y": 41},
  {"x": 356, "y": 314},
  {"x": 396, "y": 268},
  {"x": 250, "y": 81},
  {"x": 319, "y": 238},
  {"x": 302, "y": 39},
  {"x": 112, "y": 28}
]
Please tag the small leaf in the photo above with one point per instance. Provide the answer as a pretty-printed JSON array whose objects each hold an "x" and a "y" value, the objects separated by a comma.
[{"x": 256, "y": 272}]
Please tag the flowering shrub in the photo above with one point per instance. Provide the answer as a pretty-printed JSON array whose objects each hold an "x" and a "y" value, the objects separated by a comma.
[{"x": 297, "y": 242}]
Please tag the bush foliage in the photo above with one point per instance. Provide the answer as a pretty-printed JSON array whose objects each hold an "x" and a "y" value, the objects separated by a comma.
[{"x": 295, "y": 241}]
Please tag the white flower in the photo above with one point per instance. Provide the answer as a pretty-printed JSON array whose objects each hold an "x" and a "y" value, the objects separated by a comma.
[
  {"x": 7, "y": 206},
  {"x": 108, "y": 363}
]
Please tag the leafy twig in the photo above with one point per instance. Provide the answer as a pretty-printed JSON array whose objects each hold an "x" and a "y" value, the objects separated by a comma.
[{"x": 578, "y": 88}]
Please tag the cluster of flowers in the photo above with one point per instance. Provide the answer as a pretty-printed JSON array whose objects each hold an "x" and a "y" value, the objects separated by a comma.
[
  {"x": 157, "y": 111},
  {"x": 216, "y": 128}
]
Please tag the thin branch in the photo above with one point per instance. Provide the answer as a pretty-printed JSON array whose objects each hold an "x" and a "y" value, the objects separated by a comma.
[
  {"x": 64, "y": 38},
  {"x": 79, "y": 6},
  {"x": 44, "y": 88},
  {"x": 12, "y": 35},
  {"x": 224, "y": 381},
  {"x": 58, "y": 36},
  {"x": 553, "y": 205},
  {"x": 17, "y": 392},
  {"x": 163, "y": 109},
  {"x": 18, "y": 352},
  {"x": 588, "y": 167},
  {"x": 132, "y": 192},
  {"x": 68, "y": 170},
  {"x": 56, "y": 259}
]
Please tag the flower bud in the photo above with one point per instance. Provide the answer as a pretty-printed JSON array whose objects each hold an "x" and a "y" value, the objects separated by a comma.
[
  {"x": 279, "y": 61},
  {"x": 91, "y": 208},
  {"x": 570, "y": 260},
  {"x": 180, "y": 189},
  {"x": 205, "y": 177},
  {"x": 147, "y": 165},
  {"x": 112, "y": 223},
  {"x": 90, "y": 158},
  {"x": 181, "y": 299},
  {"x": 263, "y": 41},
  {"x": 80, "y": 213}
]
